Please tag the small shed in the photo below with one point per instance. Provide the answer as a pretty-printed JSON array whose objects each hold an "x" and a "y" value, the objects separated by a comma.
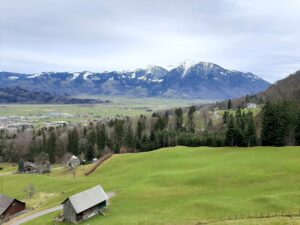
[
  {"x": 29, "y": 167},
  {"x": 84, "y": 205},
  {"x": 73, "y": 162},
  {"x": 251, "y": 106},
  {"x": 9, "y": 207}
]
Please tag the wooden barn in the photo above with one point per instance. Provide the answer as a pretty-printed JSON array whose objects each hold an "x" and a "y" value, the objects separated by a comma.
[
  {"x": 84, "y": 205},
  {"x": 9, "y": 207}
]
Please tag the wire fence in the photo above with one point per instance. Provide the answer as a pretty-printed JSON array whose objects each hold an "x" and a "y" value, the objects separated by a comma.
[{"x": 257, "y": 215}]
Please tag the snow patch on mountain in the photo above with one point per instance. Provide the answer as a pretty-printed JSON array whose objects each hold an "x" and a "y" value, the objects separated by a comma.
[
  {"x": 35, "y": 75},
  {"x": 75, "y": 75},
  {"x": 86, "y": 75},
  {"x": 13, "y": 78}
]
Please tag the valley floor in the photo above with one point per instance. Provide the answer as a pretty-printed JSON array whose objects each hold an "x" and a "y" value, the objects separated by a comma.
[{"x": 179, "y": 186}]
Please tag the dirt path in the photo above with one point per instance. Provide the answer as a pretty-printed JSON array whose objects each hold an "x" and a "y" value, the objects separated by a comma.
[
  {"x": 47, "y": 211},
  {"x": 36, "y": 215}
]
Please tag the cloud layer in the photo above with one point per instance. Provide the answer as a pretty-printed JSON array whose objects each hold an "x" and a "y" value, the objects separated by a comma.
[{"x": 259, "y": 36}]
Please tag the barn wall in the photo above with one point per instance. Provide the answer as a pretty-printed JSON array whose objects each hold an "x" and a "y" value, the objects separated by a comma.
[
  {"x": 14, "y": 208},
  {"x": 69, "y": 212}
]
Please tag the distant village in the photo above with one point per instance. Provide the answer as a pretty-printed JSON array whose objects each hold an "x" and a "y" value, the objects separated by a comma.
[{"x": 14, "y": 122}]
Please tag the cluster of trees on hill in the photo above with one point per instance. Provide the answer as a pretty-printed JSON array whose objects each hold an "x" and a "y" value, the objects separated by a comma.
[
  {"x": 278, "y": 124},
  {"x": 241, "y": 129}
]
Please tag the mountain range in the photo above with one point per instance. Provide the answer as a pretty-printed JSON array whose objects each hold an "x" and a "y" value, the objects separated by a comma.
[{"x": 199, "y": 80}]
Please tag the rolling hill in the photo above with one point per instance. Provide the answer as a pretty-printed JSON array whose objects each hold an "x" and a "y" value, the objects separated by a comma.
[
  {"x": 200, "y": 80},
  {"x": 179, "y": 186},
  {"x": 18, "y": 95}
]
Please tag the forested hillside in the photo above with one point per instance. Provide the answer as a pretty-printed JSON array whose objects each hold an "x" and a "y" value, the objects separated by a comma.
[
  {"x": 287, "y": 89},
  {"x": 22, "y": 96}
]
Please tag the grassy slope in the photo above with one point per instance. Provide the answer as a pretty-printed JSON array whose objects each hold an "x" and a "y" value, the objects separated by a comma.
[{"x": 182, "y": 185}]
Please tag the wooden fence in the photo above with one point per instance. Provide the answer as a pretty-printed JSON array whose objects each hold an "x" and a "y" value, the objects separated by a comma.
[{"x": 257, "y": 215}]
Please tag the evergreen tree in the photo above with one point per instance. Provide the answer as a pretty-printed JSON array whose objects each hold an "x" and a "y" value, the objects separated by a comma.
[
  {"x": 140, "y": 127},
  {"x": 51, "y": 146},
  {"x": 91, "y": 135},
  {"x": 230, "y": 133},
  {"x": 129, "y": 138},
  {"x": 225, "y": 117},
  {"x": 101, "y": 137},
  {"x": 73, "y": 143},
  {"x": 190, "y": 122},
  {"x": 273, "y": 124},
  {"x": 250, "y": 135},
  {"x": 297, "y": 130},
  {"x": 178, "y": 119},
  {"x": 229, "y": 104}
]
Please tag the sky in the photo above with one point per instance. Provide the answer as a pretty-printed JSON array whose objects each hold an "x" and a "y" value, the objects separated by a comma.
[{"x": 258, "y": 36}]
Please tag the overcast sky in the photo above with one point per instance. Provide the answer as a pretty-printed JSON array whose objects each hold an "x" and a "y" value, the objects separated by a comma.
[{"x": 259, "y": 36}]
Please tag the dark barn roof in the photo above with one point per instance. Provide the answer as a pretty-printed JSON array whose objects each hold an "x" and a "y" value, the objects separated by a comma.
[{"x": 5, "y": 202}]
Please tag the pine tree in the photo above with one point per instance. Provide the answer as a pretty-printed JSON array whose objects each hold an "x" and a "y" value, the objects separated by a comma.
[
  {"x": 225, "y": 117},
  {"x": 229, "y": 104},
  {"x": 230, "y": 133},
  {"x": 297, "y": 130},
  {"x": 178, "y": 119},
  {"x": 250, "y": 135},
  {"x": 190, "y": 122},
  {"x": 101, "y": 137},
  {"x": 140, "y": 127},
  {"x": 51, "y": 147},
  {"x": 73, "y": 143},
  {"x": 273, "y": 124},
  {"x": 129, "y": 138}
]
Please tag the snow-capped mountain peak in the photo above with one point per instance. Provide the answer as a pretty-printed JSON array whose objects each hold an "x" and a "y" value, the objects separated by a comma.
[{"x": 189, "y": 79}]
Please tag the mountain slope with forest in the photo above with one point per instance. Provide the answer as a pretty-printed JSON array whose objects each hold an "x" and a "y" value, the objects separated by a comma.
[
  {"x": 286, "y": 89},
  {"x": 19, "y": 95}
]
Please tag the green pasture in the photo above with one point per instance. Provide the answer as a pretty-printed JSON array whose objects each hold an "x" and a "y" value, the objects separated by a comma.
[{"x": 179, "y": 186}]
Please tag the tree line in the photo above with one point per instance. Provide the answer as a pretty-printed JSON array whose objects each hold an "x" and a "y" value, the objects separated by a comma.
[{"x": 276, "y": 125}]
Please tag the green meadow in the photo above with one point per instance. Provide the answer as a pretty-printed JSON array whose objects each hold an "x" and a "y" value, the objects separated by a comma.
[
  {"x": 118, "y": 106},
  {"x": 178, "y": 186}
]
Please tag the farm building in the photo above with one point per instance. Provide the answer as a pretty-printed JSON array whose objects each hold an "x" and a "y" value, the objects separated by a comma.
[
  {"x": 29, "y": 167},
  {"x": 73, "y": 162},
  {"x": 84, "y": 205},
  {"x": 251, "y": 106},
  {"x": 9, "y": 207}
]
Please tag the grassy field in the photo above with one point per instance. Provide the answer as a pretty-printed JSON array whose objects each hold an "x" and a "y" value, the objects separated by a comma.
[
  {"x": 121, "y": 106},
  {"x": 179, "y": 186}
]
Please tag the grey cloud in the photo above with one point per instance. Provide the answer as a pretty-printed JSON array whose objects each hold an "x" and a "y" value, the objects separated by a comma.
[{"x": 260, "y": 36}]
